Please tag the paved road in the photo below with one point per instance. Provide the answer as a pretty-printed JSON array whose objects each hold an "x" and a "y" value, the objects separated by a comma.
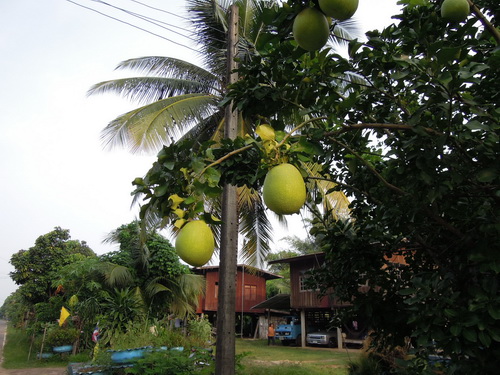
[{"x": 31, "y": 371}]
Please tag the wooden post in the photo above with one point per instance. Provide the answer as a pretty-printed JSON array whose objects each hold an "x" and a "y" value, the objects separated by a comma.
[
  {"x": 226, "y": 310},
  {"x": 303, "y": 331},
  {"x": 43, "y": 341}
]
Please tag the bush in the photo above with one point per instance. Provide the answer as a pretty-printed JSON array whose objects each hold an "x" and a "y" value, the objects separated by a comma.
[
  {"x": 173, "y": 363},
  {"x": 61, "y": 336},
  {"x": 200, "y": 331}
]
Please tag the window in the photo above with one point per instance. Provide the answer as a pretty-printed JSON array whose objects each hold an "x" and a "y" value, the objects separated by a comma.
[
  {"x": 250, "y": 292},
  {"x": 302, "y": 284}
]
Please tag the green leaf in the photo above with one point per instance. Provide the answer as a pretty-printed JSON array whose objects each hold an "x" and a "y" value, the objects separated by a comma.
[
  {"x": 455, "y": 330},
  {"x": 494, "y": 312},
  {"x": 470, "y": 334},
  {"x": 161, "y": 190},
  {"x": 450, "y": 313},
  {"x": 213, "y": 176},
  {"x": 476, "y": 125},
  {"x": 484, "y": 338},
  {"x": 406, "y": 292}
]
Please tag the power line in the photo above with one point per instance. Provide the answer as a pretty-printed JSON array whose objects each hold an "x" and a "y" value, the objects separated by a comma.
[
  {"x": 152, "y": 20},
  {"x": 160, "y": 10},
  {"x": 184, "y": 18},
  {"x": 132, "y": 25}
]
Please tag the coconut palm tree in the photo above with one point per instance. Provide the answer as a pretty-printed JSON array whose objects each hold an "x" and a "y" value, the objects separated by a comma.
[{"x": 179, "y": 100}]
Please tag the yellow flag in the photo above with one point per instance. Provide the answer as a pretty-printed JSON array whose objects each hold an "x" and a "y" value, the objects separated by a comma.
[{"x": 64, "y": 316}]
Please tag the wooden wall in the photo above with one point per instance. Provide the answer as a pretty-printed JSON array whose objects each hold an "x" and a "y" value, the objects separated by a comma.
[
  {"x": 250, "y": 290},
  {"x": 303, "y": 299}
]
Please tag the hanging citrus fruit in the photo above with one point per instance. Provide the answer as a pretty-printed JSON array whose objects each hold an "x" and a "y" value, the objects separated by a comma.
[
  {"x": 310, "y": 29},
  {"x": 455, "y": 10},
  {"x": 195, "y": 243},
  {"x": 339, "y": 9},
  {"x": 284, "y": 190}
]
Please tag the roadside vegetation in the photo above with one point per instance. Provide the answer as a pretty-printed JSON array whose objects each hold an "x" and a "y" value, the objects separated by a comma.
[{"x": 254, "y": 356}]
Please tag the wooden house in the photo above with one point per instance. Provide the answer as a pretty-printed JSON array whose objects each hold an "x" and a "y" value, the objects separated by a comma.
[
  {"x": 316, "y": 309},
  {"x": 250, "y": 291}
]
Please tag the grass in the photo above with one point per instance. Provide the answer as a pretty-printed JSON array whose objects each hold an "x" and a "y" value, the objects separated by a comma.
[
  {"x": 261, "y": 359},
  {"x": 17, "y": 350},
  {"x": 257, "y": 357}
]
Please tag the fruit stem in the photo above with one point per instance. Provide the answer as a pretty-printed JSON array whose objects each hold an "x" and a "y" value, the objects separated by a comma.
[
  {"x": 227, "y": 156},
  {"x": 486, "y": 23}
]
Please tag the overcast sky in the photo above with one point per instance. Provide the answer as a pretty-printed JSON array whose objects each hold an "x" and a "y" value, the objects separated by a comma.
[{"x": 54, "y": 170}]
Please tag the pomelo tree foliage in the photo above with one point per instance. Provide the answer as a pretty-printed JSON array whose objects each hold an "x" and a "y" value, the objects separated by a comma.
[
  {"x": 414, "y": 142},
  {"x": 408, "y": 128}
]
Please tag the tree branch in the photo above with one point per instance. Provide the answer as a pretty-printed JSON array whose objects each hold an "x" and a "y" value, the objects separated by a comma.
[
  {"x": 365, "y": 193},
  {"x": 486, "y": 23},
  {"x": 227, "y": 156},
  {"x": 288, "y": 135},
  {"x": 371, "y": 168},
  {"x": 346, "y": 128}
]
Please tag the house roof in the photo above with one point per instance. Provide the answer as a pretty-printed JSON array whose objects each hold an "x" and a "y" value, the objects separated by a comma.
[
  {"x": 277, "y": 302},
  {"x": 318, "y": 256},
  {"x": 248, "y": 269}
]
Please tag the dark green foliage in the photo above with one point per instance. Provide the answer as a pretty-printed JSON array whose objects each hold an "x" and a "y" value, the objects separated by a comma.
[
  {"x": 412, "y": 137},
  {"x": 36, "y": 268},
  {"x": 59, "y": 336},
  {"x": 174, "y": 363}
]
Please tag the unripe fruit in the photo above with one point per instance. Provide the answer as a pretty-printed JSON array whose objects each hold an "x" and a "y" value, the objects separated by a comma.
[
  {"x": 455, "y": 10},
  {"x": 339, "y": 9},
  {"x": 284, "y": 191},
  {"x": 310, "y": 29},
  {"x": 195, "y": 243}
]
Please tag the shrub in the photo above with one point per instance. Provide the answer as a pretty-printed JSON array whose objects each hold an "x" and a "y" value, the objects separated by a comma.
[
  {"x": 61, "y": 336},
  {"x": 173, "y": 363}
]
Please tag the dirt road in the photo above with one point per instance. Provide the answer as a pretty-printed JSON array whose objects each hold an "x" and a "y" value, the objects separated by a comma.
[{"x": 30, "y": 371}]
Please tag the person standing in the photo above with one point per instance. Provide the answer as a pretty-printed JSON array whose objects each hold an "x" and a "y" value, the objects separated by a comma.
[{"x": 270, "y": 334}]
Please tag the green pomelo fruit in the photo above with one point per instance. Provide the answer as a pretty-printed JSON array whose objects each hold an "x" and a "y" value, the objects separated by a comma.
[
  {"x": 339, "y": 9},
  {"x": 195, "y": 243},
  {"x": 310, "y": 29},
  {"x": 284, "y": 190},
  {"x": 455, "y": 10}
]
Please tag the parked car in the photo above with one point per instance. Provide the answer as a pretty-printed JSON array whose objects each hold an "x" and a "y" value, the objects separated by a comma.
[{"x": 324, "y": 338}]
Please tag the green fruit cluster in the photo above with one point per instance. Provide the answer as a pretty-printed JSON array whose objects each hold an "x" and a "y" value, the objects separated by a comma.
[{"x": 311, "y": 27}]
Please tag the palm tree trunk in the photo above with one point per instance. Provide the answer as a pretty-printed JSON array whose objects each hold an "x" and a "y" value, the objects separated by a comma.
[{"x": 226, "y": 310}]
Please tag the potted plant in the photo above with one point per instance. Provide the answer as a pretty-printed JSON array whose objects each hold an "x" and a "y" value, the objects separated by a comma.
[{"x": 61, "y": 339}]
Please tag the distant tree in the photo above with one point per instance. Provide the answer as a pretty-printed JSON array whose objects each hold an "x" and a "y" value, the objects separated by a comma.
[{"x": 37, "y": 267}]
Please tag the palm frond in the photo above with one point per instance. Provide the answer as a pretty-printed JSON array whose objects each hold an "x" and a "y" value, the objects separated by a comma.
[
  {"x": 149, "y": 127},
  {"x": 209, "y": 19},
  {"x": 117, "y": 276},
  {"x": 186, "y": 292},
  {"x": 254, "y": 226},
  {"x": 210, "y": 128},
  {"x": 333, "y": 201},
  {"x": 343, "y": 32},
  {"x": 144, "y": 90},
  {"x": 157, "y": 285},
  {"x": 168, "y": 67}
]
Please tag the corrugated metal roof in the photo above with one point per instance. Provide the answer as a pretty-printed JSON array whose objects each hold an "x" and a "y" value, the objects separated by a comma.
[{"x": 277, "y": 302}]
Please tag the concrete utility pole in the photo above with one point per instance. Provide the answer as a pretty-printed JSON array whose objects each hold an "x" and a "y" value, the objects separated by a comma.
[{"x": 226, "y": 310}]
